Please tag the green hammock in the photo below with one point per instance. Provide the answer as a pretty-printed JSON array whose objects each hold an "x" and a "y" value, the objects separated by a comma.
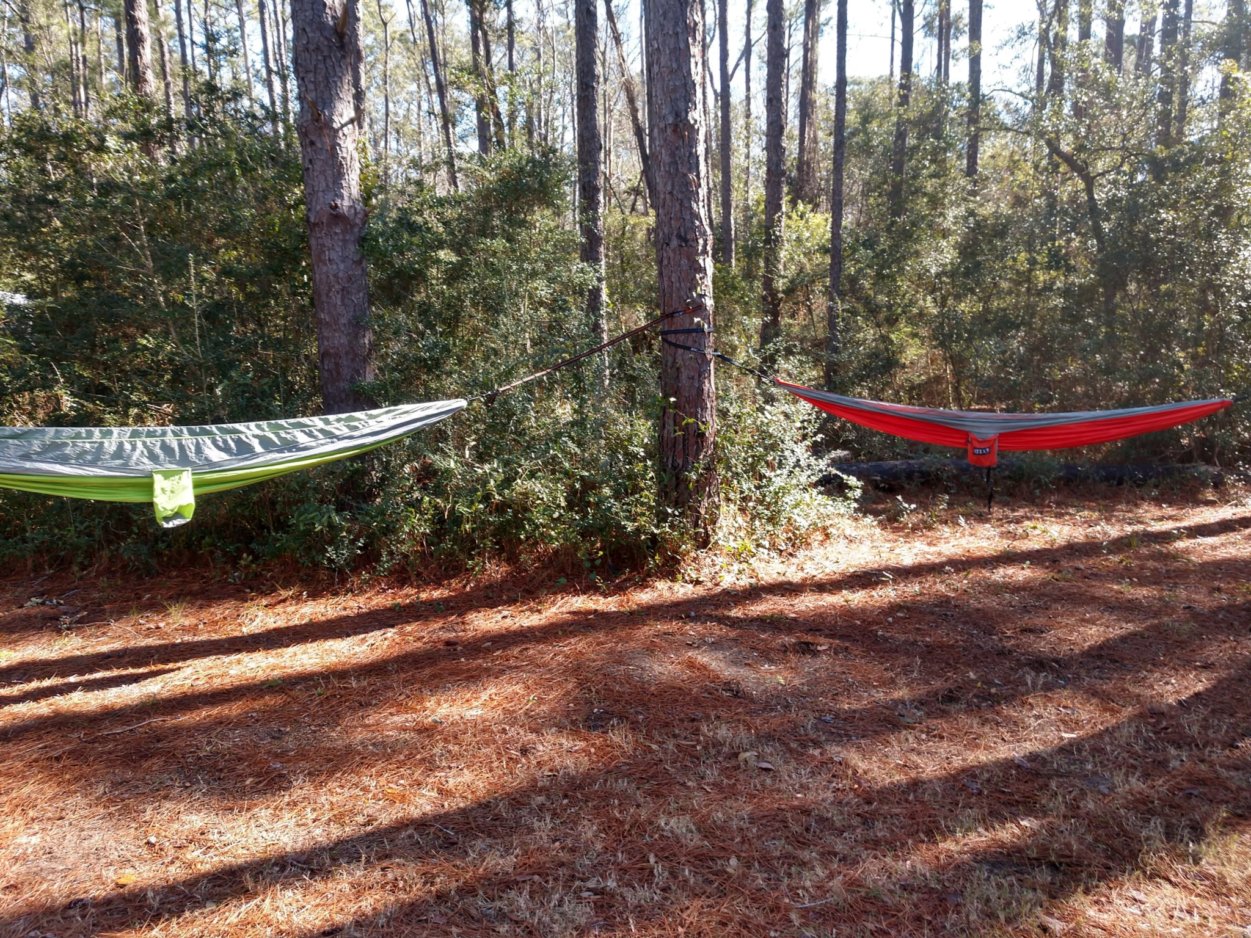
[{"x": 170, "y": 466}]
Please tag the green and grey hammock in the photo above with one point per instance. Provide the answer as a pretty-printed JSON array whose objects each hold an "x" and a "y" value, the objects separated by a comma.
[{"x": 171, "y": 466}]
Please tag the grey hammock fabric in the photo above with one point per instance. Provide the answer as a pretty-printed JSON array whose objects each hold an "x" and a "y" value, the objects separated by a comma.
[{"x": 170, "y": 465}]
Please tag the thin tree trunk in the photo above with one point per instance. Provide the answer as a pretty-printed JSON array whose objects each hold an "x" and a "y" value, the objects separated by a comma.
[
  {"x": 139, "y": 49},
  {"x": 1114, "y": 35},
  {"x": 482, "y": 111},
  {"x": 492, "y": 88},
  {"x": 806, "y": 186},
  {"x": 1146, "y": 41},
  {"x": 975, "y": 89},
  {"x": 511, "y": 25},
  {"x": 632, "y": 102},
  {"x": 210, "y": 43},
  {"x": 445, "y": 114},
  {"x": 386, "y": 91},
  {"x": 327, "y": 47},
  {"x": 243, "y": 51},
  {"x": 119, "y": 33},
  {"x": 1166, "y": 95},
  {"x": 284, "y": 63},
  {"x": 186, "y": 68},
  {"x": 29, "y": 49},
  {"x": 749, "y": 131},
  {"x": 775, "y": 173},
  {"x": 834, "y": 311},
  {"x": 894, "y": 14},
  {"x": 726, "y": 141},
  {"x": 1233, "y": 49},
  {"x": 899, "y": 147},
  {"x": 1058, "y": 48},
  {"x": 688, "y": 490},
  {"x": 1085, "y": 20},
  {"x": 590, "y": 161},
  {"x": 167, "y": 67},
  {"x": 270, "y": 94},
  {"x": 76, "y": 97},
  {"x": 1183, "y": 69}
]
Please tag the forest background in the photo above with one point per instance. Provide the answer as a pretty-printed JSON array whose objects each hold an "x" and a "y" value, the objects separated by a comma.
[{"x": 1054, "y": 216}]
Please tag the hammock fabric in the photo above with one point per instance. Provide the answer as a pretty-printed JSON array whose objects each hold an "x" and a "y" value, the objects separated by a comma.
[
  {"x": 983, "y": 435},
  {"x": 170, "y": 466}
]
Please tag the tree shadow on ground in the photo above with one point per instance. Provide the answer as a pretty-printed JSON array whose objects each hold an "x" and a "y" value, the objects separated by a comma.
[{"x": 671, "y": 827}]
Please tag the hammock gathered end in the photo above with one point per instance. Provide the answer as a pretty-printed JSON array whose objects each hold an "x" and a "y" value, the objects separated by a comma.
[{"x": 171, "y": 466}]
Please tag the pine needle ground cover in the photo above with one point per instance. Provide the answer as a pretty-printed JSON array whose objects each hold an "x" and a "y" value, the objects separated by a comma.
[{"x": 931, "y": 724}]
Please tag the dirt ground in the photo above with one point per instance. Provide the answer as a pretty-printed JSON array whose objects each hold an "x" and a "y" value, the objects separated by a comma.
[{"x": 935, "y": 724}]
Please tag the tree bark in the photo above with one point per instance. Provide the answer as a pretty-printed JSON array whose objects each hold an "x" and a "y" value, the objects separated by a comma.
[
  {"x": 270, "y": 93},
  {"x": 243, "y": 51},
  {"x": 807, "y": 189},
  {"x": 1232, "y": 51},
  {"x": 726, "y": 137},
  {"x": 1058, "y": 47},
  {"x": 29, "y": 47},
  {"x": 899, "y": 148},
  {"x": 481, "y": 111},
  {"x": 167, "y": 67},
  {"x": 186, "y": 69},
  {"x": 1166, "y": 94},
  {"x": 775, "y": 173},
  {"x": 632, "y": 102},
  {"x": 834, "y": 311},
  {"x": 327, "y": 50},
  {"x": 748, "y": 127},
  {"x": 1183, "y": 69},
  {"x": 1114, "y": 35},
  {"x": 894, "y": 16},
  {"x": 972, "y": 151},
  {"x": 1085, "y": 20},
  {"x": 139, "y": 49},
  {"x": 688, "y": 490},
  {"x": 440, "y": 86},
  {"x": 1146, "y": 41},
  {"x": 386, "y": 90},
  {"x": 590, "y": 162}
]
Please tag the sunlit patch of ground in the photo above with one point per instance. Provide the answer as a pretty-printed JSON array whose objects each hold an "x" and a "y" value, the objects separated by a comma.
[{"x": 942, "y": 725}]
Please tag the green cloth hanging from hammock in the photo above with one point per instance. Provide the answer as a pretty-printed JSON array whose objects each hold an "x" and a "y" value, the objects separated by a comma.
[{"x": 172, "y": 466}]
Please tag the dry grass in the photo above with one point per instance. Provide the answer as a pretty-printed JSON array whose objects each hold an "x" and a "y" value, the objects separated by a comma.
[{"x": 1030, "y": 726}]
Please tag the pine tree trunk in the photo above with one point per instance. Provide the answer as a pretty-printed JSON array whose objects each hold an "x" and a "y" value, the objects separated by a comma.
[
  {"x": 185, "y": 69},
  {"x": 632, "y": 102},
  {"x": 139, "y": 49},
  {"x": 28, "y": 56},
  {"x": 440, "y": 86},
  {"x": 806, "y": 187},
  {"x": 1146, "y": 41},
  {"x": 167, "y": 66},
  {"x": 1166, "y": 94},
  {"x": 1183, "y": 69},
  {"x": 1085, "y": 20},
  {"x": 511, "y": 116},
  {"x": 834, "y": 311},
  {"x": 1057, "y": 49},
  {"x": 590, "y": 161},
  {"x": 894, "y": 15},
  {"x": 284, "y": 63},
  {"x": 975, "y": 89},
  {"x": 270, "y": 94},
  {"x": 327, "y": 52},
  {"x": 243, "y": 51},
  {"x": 749, "y": 130},
  {"x": 1114, "y": 35},
  {"x": 775, "y": 172},
  {"x": 1232, "y": 50},
  {"x": 726, "y": 141},
  {"x": 899, "y": 147},
  {"x": 482, "y": 112},
  {"x": 688, "y": 490},
  {"x": 386, "y": 91}
]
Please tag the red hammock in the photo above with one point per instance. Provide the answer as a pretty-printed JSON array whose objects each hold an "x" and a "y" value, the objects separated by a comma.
[{"x": 983, "y": 435}]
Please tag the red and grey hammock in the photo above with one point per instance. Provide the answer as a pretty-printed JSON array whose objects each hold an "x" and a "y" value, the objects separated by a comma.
[{"x": 983, "y": 435}]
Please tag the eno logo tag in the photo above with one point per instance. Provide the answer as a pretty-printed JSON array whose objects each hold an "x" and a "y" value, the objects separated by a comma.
[{"x": 983, "y": 452}]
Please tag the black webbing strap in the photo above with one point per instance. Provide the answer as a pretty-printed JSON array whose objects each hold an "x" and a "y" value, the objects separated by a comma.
[
  {"x": 490, "y": 396},
  {"x": 720, "y": 356}
]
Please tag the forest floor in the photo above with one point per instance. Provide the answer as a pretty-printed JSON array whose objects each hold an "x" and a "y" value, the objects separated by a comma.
[{"x": 935, "y": 724}]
